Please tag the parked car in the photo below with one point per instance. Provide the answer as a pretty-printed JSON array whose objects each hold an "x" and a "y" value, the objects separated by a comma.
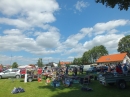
[{"x": 10, "y": 73}]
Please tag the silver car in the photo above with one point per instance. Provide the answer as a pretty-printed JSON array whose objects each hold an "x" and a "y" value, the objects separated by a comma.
[{"x": 10, "y": 73}]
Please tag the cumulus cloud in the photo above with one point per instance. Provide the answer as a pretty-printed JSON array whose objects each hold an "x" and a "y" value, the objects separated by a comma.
[
  {"x": 29, "y": 13},
  {"x": 110, "y": 41},
  {"x": 44, "y": 43},
  {"x": 73, "y": 40},
  {"x": 13, "y": 32},
  {"x": 80, "y": 5},
  {"x": 18, "y": 23},
  {"x": 24, "y": 18},
  {"x": 100, "y": 28},
  {"x": 48, "y": 39}
]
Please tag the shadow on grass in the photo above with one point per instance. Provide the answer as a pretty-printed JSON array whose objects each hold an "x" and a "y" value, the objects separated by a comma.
[
  {"x": 73, "y": 91},
  {"x": 98, "y": 90}
]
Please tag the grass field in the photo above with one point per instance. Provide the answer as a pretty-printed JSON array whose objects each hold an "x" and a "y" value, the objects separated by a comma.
[{"x": 36, "y": 89}]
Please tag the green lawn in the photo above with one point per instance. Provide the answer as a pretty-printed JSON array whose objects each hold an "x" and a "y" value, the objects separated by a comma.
[{"x": 36, "y": 89}]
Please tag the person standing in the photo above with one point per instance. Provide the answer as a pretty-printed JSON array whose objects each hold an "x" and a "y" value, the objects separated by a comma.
[
  {"x": 75, "y": 71},
  {"x": 81, "y": 69},
  {"x": 39, "y": 72},
  {"x": 109, "y": 68},
  {"x": 119, "y": 68},
  {"x": 125, "y": 70},
  {"x": 67, "y": 70}
]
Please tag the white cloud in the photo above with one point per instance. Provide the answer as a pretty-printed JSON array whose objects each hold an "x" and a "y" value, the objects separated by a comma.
[
  {"x": 48, "y": 39},
  {"x": 13, "y": 32},
  {"x": 45, "y": 43},
  {"x": 81, "y": 4},
  {"x": 112, "y": 31},
  {"x": 73, "y": 40},
  {"x": 29, "y": 13},
  {"x": 87, "y": 31},
  {"x": 109, "y": 41},
  {"x": 20, "y": 7},
  {"x": 15, "y": 22},
  {"x": 100, "y": 28}
]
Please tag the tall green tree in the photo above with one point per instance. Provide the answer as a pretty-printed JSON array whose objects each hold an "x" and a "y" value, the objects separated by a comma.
[
  {"x": 87, "y": 57},
  {"x": 59, "y": 65},
  {"x": 124, "y": 45},
  {"x": 77, "y": 61},
  {"x": 122, "y": 4},
  {"x": 15, "y": 65},
  {"x": 40, "y": 63},
  {"x": 92, "y": 55}
]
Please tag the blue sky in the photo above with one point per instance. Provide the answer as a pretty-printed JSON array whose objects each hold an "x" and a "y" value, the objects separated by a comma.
[{"x": 57, "y": 30}]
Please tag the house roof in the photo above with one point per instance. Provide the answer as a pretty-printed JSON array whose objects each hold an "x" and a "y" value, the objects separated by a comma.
[
  {"x": 112, "y": 58},
  {"x": 64, "y": 63}
]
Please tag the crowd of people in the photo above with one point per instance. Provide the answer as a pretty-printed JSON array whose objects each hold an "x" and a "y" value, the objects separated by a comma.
[
  {"x": 120, "y": 68},
  {"x": 63, "y": 74}
]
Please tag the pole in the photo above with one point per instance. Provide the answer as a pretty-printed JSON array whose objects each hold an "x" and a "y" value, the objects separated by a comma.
[
  {"x": 11, "y": 60},
  {"x": 25, "y": 79}
]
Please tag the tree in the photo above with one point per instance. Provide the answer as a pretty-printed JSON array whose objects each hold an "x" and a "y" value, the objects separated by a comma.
[
  {"x": 77, "y": 61},
  {"x": 122, "y": 4},
  {"x": 124, "y": 45},
  {"x": 40, "y": 63},
  {"x": 92, "y": 55},
  {"x": 15, "y": 65},
  {"x": 86, "y": 58},
  {"x": 59, "y": 65}
]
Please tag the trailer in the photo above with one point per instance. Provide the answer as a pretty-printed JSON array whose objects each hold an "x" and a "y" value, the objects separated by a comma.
[
  {"x": 119, "y": 80},
  {"x": 32, "y": 74}
]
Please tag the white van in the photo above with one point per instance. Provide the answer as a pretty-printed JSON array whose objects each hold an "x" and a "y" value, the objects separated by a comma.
[{"x": 86, "y": 67}]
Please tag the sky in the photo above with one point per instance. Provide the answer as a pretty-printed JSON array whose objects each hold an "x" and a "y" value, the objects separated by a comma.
[{"x": 57, "y": 30}]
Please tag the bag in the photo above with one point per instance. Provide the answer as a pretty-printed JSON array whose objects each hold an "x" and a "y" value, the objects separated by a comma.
[
  {"x": 14, "y": 91},
  {"x": 20, "y": 89},
  {"x": 17, "y": 90}
]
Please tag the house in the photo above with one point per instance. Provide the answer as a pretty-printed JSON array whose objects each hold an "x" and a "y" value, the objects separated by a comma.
[{"x": 114, "y": 58}]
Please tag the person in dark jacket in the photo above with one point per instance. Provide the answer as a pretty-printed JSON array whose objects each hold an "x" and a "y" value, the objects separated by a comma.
[{"x": 75, "y": 71}]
